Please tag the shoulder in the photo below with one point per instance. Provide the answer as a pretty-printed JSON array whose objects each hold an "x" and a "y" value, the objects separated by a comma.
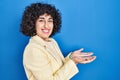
[
  {"x": 53, "y": 40},
  {"x": 33, "y": 48},
  {"x": 34, "y": 52}
]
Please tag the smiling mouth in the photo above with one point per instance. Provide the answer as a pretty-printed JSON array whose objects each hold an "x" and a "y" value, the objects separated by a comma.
[{"x": 46, "y": 31}]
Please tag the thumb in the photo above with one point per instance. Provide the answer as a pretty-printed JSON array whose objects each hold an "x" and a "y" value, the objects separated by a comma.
[{"x": 81, "y": 49}]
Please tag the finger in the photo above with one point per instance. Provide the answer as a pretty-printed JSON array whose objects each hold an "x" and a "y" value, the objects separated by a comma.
[
  {"x": 81, "y": 49},
  {"x": 88, "y": 60},
  {"x": 86, "y": 54},
  {"x": 78, "y": 59},
  {"x": 94, "y": 57},
  {"x": 84, "y": 60}
]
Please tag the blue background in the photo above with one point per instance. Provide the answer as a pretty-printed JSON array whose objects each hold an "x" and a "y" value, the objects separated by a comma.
[{"x": 90, "y": 24}]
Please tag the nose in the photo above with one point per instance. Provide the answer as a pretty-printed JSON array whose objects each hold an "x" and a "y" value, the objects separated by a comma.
[{"x": 46, "y": 24}]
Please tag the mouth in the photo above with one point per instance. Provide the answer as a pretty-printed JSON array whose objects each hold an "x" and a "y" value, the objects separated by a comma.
[{"x": 46, "y": 31}]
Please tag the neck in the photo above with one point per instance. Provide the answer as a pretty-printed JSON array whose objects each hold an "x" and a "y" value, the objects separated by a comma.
[{"x": 45, "y": 39}]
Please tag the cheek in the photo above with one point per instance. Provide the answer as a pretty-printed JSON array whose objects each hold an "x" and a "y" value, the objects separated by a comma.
[
  {"x": 51, "y": 25},
  {"x": 38, "y": 28},
  {"x": 52, "y": 28}
]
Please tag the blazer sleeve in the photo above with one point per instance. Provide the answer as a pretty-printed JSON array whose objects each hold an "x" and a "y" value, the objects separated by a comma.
[{"x": 39, "y": 65}]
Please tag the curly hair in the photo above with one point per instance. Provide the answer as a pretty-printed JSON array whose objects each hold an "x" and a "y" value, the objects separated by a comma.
[{"x": 32, "y": 13}]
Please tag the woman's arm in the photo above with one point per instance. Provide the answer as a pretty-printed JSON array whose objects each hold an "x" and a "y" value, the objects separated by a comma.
[{"x": 37, "y": 62}]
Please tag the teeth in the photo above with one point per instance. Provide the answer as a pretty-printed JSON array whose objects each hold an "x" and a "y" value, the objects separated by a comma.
[{"x": 45, "y": 31}]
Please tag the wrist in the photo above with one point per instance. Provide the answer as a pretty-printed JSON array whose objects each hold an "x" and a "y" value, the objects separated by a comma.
[
  {"x": 73, "y": 59},
  {"x": 70, "y": 56}
]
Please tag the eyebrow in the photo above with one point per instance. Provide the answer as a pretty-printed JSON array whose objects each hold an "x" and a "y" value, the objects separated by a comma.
[
  {"x": 41, "y": 18},
  {"x": 50, "y": 18}
]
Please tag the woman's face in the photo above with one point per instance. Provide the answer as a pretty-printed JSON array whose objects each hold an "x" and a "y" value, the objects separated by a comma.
[{"x": 44, "y": 26}]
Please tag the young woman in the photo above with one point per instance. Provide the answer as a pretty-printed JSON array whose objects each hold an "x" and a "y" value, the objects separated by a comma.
[{"x": 42, "y": 58}]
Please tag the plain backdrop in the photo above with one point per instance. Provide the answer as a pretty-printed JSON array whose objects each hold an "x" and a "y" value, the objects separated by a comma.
[{"x": 90, "y": 24}]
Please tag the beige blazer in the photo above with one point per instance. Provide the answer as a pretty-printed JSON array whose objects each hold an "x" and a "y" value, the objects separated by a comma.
[{"x": 44, "y": 61}]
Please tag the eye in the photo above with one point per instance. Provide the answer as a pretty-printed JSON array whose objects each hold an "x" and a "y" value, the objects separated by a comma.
[
  {"x": 51, "y": 20},
  {"x": 41, "y": 20}
]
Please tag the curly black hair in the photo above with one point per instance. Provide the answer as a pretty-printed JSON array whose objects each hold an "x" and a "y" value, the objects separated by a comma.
[{"x": 32, "y": 13}]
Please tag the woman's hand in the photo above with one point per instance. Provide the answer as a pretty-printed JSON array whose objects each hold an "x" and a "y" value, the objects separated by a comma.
[{"x": 82, "y": 57}]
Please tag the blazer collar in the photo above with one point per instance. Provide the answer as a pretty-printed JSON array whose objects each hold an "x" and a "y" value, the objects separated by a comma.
[
  {"x": 36, "y": 39},
  {"x": 39, "y": 40}
]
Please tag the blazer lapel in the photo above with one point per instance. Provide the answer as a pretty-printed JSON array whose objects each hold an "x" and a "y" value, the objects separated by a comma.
[{"x": 48, "y": 48}]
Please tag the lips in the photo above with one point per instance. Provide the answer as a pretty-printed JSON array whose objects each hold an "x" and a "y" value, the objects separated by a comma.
[{"x": 46, "y": 31}]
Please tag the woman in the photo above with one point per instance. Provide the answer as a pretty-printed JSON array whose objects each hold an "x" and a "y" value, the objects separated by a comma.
[{"x": 42, "y": 58}]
